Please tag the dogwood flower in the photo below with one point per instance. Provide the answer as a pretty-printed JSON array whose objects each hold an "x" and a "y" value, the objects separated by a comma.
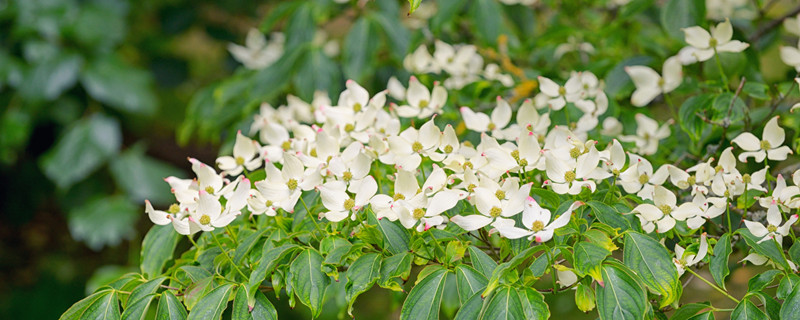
[
  {"x": 245, "y": 156},
  {"x": 757, "y": 259},
  {"x": 405, "y": 187},
  {"x": 791, "y": 56},
  {"x": 494, "y": 205},
  {"x": 340, "y": 204},
  {"x": 425, "y": 211},
  {"x": 774, "y": 229},
  {"x": 282, "y": 189},
  {"x": 421, "y": 102},
  {"x": 649, "y": 84},
  {"x": 406, "y": 149},
  {"x": 558, "y": 96},
  {"x": 770, "y": 145},
  {"x": 258, "y": 53},
  {"x": 536, "y": 221},
  {"x": 685, "y": 259},
  {"x": 639, "y": 178},
  {"x": 571, "y": 176},
  {"x": 660, "y": 213},
  {"x": 708, "y": 44},
  {"x": 648, "y": 134},
  {"x": 480, "y": 122}
]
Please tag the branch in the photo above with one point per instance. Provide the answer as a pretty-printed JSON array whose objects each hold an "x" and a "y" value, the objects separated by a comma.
[{"x": 772, "y": 25}]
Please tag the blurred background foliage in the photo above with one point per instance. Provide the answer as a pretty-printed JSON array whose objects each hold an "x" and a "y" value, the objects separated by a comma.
[{"x": 101, "y": 99}]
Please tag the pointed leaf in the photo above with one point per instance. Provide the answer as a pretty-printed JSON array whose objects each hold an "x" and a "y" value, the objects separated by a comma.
[
  {"x": 308, "y": 280},
  {"x": 621, "y": 297},
  {"x": 361, "y": 275},
  {"x": 481, "y": 261},
  {"x": 169, "y": 307},
  {"x": 157, "y": 248},
  {"x": 212, "y": 304},
  {"x": 651, "y": 261},
  {"x": 747, "y": 310},
  {"x": 719, "y": 262},
  {"x": 505, "y": 304},
  {"x": 425, "y": 298},
  {"x": 468, "y": 281}
]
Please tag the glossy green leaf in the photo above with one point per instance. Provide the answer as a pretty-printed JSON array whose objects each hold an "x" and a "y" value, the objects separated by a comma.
[
  {"x": 144, "y": 290},
  {"x": 157, "y": 248},
  {"x": 82, "y": 149},
  {"x": 679, "y": 14},
  {"x": 270, "y": 257},
  {"x": 652, "y": 262},
  {"x": 105, "y": 307},
  {"x": 49, "y": 79},
  {"x": 791, "y": 304},
  {"x": 471, "y": 309},
  {"x": 589, "y": 257},
  {"x": 762, "y": 280},
  {"x": 533, "y": 304},
  {"x": 620, "y": 297},
  {"x": 468, "y": 281},
  {"x": 690, "y": 122},
  {"x": 771, "y": 306},
  {"x": 505, "y": 303},
  {"x": 394, "y": 267},
  {"x": 719, "y": 261},
  {"x": 708, "y": 315},
  {"x": 395, "y": 237},
  {"x": 425, "y": 298},
  {"x": 361, "y": 275},
  {"x": 608, "y": 215},
  {"x": 689, "y": 310},
  {"x": 103, "y": 221},
  {"x": 170, "y": 308},
  {"x": 397, "y": 38},
  {"x": 481, "y": 261},
  {"x": 81, "y": 309},
  {"x": 212, "y": 304},
  {"x": 747, "y": 310},
  {"x": 138, "y": 309},
  {"x": 317, "y": 73},
  {"x": 246, "y": 245},
  {"x": 768, "y": 248},
  {"x": 787, "y": 285},
  {"x": 487, "y": 19},
  {"x": 263, "y": 309},
  {"x": 308, "y": 281},
  {"x": 501, "y": 270}
]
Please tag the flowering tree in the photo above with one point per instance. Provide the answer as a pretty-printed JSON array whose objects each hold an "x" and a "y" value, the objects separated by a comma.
[{"x": 510, "y": 182}]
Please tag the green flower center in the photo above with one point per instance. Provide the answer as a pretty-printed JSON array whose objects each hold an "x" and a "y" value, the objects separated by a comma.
[
  {"x": 665, "y": 209},
  {"x": 398, "y": 196},
  {"x": 746, "y": 178},
  {"x": 495, "y": 212},
  {"x": 765, "y": 145},
  {"x": 418, "y": 213},
  {"x": 643, "y": 178},
  {"x": 349, "y": 204},
  {"x": 471, "y": 187},
  {"x": 423, "y": 104},
  {"x": 347, "y": 176},
  {"x": 313, "y": 152},
  {"x": 268, "y": 203},
  {"x": 357, "y": 107},
  {"x": 174, "y": 208},
  {"x": 569, "y": 176},
  {"x": 416, "y": 147},
  {"x": 349, "y": 127},
  {"x": 448, "y": 148},
  {"x": 575, "y": 153},
  {"x": 205, "y": 219},
  {"x": 692, "y": 179},
  {"x": 562, "y": 91},
  {"x": 712, "y": 42},
  {"x": 537, "y": 226},
  {"x": 515, "y": 155},
  {"x": 467, "y": 164},
  {"x": 239, "y": 161},
  {"x": 500, "y": 194},
  {"x": 492, "y": 126},
  {"x": 286, "y": 145},
  {"x": 772, "y": 228},
  {"x": 210, "y": 189},
  {"x": 292, "y": 184}
]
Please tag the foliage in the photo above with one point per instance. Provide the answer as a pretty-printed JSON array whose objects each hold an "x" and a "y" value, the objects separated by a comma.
[{"x": 611, "y": 187}]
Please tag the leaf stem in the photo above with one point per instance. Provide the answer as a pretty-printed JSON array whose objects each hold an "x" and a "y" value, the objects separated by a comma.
[
  {"x": 712, "y": 285},
  {"x": 214, "y": 235}
]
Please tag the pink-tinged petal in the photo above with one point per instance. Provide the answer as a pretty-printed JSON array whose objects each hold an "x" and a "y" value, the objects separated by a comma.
[
  {"x": 747, "y": 141},
  {"x": 156, "y": 216},
  {"x": 336, "y": 216},
  {"x": 757, "y": 155},
  {"x": 543, "y": 236},
  {"x": 244, "y": 147},
  {"x": 471, "y": 222},
  {"x": 223, "y": 220}
]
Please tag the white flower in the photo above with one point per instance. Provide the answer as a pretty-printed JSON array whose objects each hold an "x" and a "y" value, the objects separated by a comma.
[
  {"x": 648, "y": 134},
  {"x": 571, "y": 176},
  {"x": 558, "y": 96},
  {"x": 480, "y": 122},
  {"x": 791, "y": 56},
  {"x": 792, "y": 25},
  {"x": 245, "y": 155},
  {"x": 758, "y": 260},
  {"x": 340, "y": 204},
  {"x": 696, "y": 212},
  {"x": 536, "y": 221},
  {"x": 406, "y": 149},
  {"x": 494, "y": 205},
  {"x": 774, "y": 229},
  {"x": 426, "y": 209},
  {"x": 639, "y": 178},
  {"x": 420, "y": 61},
  {"x": 257, "y": 52},
  {"x": 573, "y": 44},
  {"x": 685, "y": 259},
  {"x": 282, "y": 189},
  {"x": 719, "y": 40},
  {"x": 649, "y": 84},
  {"x": 210, "y": 214},
  {"x": 529, "y": 119},
  {"x": 768, "y": 147},
  {"x": 660, "y": 213},
  {"x": 421, "y": 102},
  {"x": 405, "y": 187}
]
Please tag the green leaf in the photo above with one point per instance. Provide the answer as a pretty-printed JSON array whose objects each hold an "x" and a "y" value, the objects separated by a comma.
[
  {"x": 620, "y": 297},
  {"x": 534, "y": 305},
  {"x": 651, "y": 261},
  {"x": 317, "y": 73},
  {"x": 481, "y": 261},
  {"x": 446, "y": 10},
  {"x": 787, "y": 285},
  {"x": 756, "y": 90},
  {"x": 395, "y": 237},
  {"x": 719, "y": 262},
  {"x": 195, "y": 291},
  {"x": 169, "y": 307},
  {"x": 487, "y": 19},
  {"x": 212, "y": 304},
  {"x": 425, "y": 298},
  {"x": 588, "y": 258},
  {"x": 157, "y": 248},
  {"x": 120, "y": 86},
  {"x": 138, "y": 309},
  {"x": 413, "y": 5},
  {"x": 99, "y": 26},
  {"x": 505, "y": 304},
  {"x": 468, "y": 281},
  {"x": 762, "y": 280},
  {"x": 791, "y": 304},
  {"x": 81, "y": 308},
  {"x": 361, "y": 275},
  {"x": 771, "y": 306},
  {"x": 263, "y": 309},
  {"x": 49, "y": 79},
  {"x": 689, "y": 310},
  {"x": 394, "y": 267},
  {"x": 308, "y": 281},
  {"x": 690, "y": 122},
  {"x": 270, "y": 257},
  {"x": 708, "y": 315},
  {"x": 584, "y": 298},
  {"x": 105, "y": 307},
  {"x": 501, "y": 270},
  {"x": 103, "y": 221},
  {"x": 747, "y": 310},
  {"x": 398, "y": 38},
  {"x": 144, "y": 290},
  {"x": 608, "y": 215},
  {"x": 679, "y": 14},
  {"x": 471, "y": 309},
  {"x": 247, "y": 244},
  {"x": 358, "y": 57},
  {"x": 81, "y": 150},
  {"x": 768, "y": 249},
  {"x": 722, "y": 103},
  {"x": 142, "y": 177}
]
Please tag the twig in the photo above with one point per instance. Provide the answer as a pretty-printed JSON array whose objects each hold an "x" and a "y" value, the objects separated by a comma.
[
  {"x": 772, "y": 25},
  {"x": 727, "y": 121}
]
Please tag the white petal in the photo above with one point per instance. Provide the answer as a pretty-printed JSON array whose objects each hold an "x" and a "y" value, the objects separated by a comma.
[
  {"x": 756, "y": 228},
  {"x": 779, "y": 154},
  {"x": 475, "y": 121},
  {"x": 733, "y": 46},
  {"x": 548, "y": 87},
  {"x": 156, "y": 216},
  {"x": 471, "y": 222},
  {"x": 501, "y": 115},
  {"x": 774, "y": 133},
  {"x": 747, "y": 141},
  {"x": 443, "y": 201},
  {"x": 723, "y": 32},
  {"x": 697, "y": 37}
]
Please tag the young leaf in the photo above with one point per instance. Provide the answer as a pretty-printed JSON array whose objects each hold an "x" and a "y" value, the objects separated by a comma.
[
  {"x": 308, "y": 281},
  {"x": 425, "y": 298},
  {"x": 719, "y": 262},
  {"x": 651, "y": 261},
  {"x": 413, "y": 5},
  {"x": 394, "y": 267},
  {"x": 588, "y": 258},
  {"x": 500, "y": 271},
  {"x": 212, "y": 304}
]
